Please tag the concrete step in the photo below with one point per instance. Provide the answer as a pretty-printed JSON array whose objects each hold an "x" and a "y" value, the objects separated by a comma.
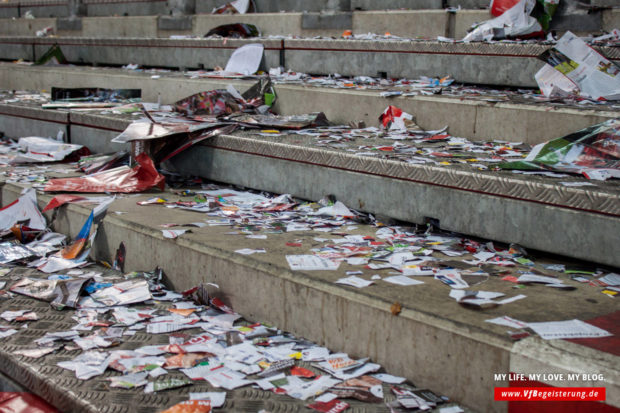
[
  {"x": 480, "y": 117},
  {"x": 536, "y": 212},
  {"x": 404, "y": 23},
  {"x": 478, "y": 63},
  {"x": 64, "y": 8},
  {"x": 420, "y": 23},
  {"x": 433, "y": 341}
]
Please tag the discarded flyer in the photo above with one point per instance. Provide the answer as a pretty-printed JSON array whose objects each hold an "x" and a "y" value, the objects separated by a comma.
[
  {"x": 574, "y": 66},
  {"x": 35, "y": 149},
  {"x": 59, "y": 293},
  {"x": 592, "y": 152},
  {"x": 512, "y": 23},
  {"x": 24, "y": 209},
  {"x": 246, "y": 59},
  {"x": 122, "y": 179},
  {"x": 567, "y": 329},
  {"x": 311, "y": 263}
]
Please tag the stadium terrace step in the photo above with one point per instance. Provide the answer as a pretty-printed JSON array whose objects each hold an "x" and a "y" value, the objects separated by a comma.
[
  {"x": 474, "y": 117},
  {"x": 64, "y": 8},
  {"x": 426, "y": 342},
  {"x": 477, "y": 63},
  {"x": 421, "y": 23},
  {"x": 580, "y": 222},
  {"x": 427, "y": 24}
]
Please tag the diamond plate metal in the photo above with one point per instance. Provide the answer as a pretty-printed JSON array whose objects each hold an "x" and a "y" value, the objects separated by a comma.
[
  {"x": 488, "y": 183},
  {"x": 62, "y": 389}
]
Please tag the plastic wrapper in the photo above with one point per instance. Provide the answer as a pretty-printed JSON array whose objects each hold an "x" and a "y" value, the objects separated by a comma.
[
  {"x": 11, "y": 252},
  {"x": 73, "y": 250},
  {"x": 334, "y": 406},
  {"x": 543, "y": 11},
  {"x": 214, "y": 102},
  {"x": 593, "y": 152},
  {"x": 35, "y": 149},
  {"x": 235, "y": 30},
  {"x": 365, "y": 388},
  {"x": 60, "y": 200},
  {"x": 573, "y": 67},
  {"x": 123, "y": 179},
  {"x": 22, "y": 210},
  {"x": 514, "y": 22},
  {"x": 59, "y": 293}
]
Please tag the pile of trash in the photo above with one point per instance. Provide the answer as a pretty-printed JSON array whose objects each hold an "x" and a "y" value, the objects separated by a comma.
[{"x": 207, "y": 340}]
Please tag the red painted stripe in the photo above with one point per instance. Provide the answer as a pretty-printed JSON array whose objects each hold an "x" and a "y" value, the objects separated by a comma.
[
  {"x": 408, "y": 52},
  {"x": 96, "y": 127},
  {"x": 609, "y": 322}
]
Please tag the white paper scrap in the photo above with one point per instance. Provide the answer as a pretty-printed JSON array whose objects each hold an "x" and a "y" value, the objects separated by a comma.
[
  {"x": 567, "y": 329},
  {"x": 354, "y": 281},
  {"x": 451, "y": 409},
  {"x": 402, "y": 280},
  {"x": 217, "y": 398},
  {"x": 508, "y": 322},
  {"x": 311, "y": 263},
  {"x": 388, "y": 378},
  {"x": 246, "y": 59}
]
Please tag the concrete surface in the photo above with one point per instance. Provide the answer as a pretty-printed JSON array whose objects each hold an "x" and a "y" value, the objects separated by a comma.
[
  {"x": 433, "y": 341},
  {"x": 102, "y": 27},
  {"x": 611, "y": 19},
  {"x": 491, "y": 64},
  {"x": 175, "y": 53},
  {"x": 577, "y": 222},
  {"x": 425, "y": 24},
  {"x": 404, "y": 23},
  {"x": 276, "y": 6},
  {"x": 25, "y": 27},
  {"x": 395, "y": 4},
  {"x": 475, "y": 119},
  {"x": 126, "y": 8},
  {"x": 70, "y": 395},
  {"x": 487, "y": 65}
]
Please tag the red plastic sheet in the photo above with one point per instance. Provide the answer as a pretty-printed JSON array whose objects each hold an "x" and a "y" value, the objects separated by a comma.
[
  {"x": 123, "y": 179},
  {"x": 60, "y": 200},
  {"x": 387, "y": 117},
  {"x": 498, "y": 7},
  {"x": 12, "y": 402}
]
